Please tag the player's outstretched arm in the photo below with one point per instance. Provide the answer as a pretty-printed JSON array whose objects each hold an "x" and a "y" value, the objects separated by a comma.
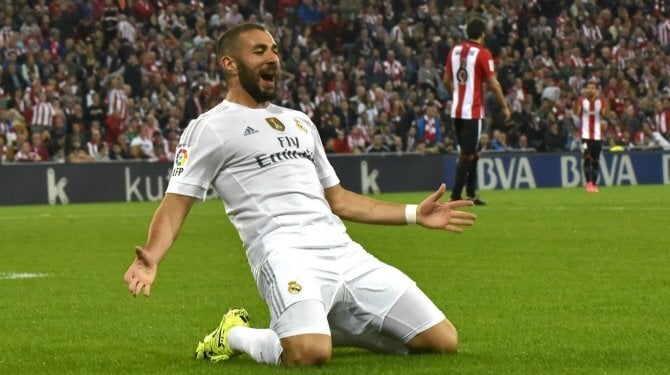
[
  {"x": 164, "y": 229},
  {"x": 430, "y": 213}
]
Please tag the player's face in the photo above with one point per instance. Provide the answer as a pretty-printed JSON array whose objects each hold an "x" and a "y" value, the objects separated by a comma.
[
  {"x": 590, "y": 90},
  {"x": 258, "y": 65}
]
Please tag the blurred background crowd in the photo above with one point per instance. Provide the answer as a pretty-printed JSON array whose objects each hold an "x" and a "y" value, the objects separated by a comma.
[{"x": 97, "y": 80}]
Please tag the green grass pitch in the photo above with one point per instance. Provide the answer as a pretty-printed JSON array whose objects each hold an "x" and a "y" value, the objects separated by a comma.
[{"x": 549, "y": 281}]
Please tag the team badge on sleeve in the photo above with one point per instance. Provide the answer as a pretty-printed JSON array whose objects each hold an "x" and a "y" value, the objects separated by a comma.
[
  {"x": 180, "y": 160},
  {"x": 301, "y": 126}
]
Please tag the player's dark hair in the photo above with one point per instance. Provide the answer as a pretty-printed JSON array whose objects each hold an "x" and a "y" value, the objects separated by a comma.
[
  {"x": 228, "y": 40},
  {"x": 475, "y": 28},
  {"x": 591, "y": 82}
]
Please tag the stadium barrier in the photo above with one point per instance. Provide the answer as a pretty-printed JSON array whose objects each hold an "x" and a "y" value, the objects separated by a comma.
[{"x": 48, "y": 183}]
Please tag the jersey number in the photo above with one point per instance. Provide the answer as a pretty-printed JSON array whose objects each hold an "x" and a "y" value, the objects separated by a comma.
[{"x": 462, "y": 73}]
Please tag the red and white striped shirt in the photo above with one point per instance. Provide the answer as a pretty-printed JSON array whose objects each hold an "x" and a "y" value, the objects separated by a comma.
[
  {"x": 337, "y": 97},
  {"x": 117, "y": 101},
  {"x": 662, "y": 122},
  {"x": 468, "y": 64},
  {"x": 395, "y": 71},
  {"x": 5, "y": 35},
  {"x": 591, "y": 110},
  {"x": 663, "y": 32},
  {"x": 43, "y": 114}
]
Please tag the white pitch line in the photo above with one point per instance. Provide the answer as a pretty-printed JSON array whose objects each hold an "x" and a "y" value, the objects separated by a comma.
[
  {"x": 71, "y": 216},
  {"x": 23, "y": 275},
  {"x": 578, "y": 208}
]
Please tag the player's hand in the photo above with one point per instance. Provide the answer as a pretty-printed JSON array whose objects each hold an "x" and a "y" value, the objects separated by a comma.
[
  {"x": 141, "y": 273},
  {"x": 433, "y": 214},
  {"x": 507, "y": 113}
]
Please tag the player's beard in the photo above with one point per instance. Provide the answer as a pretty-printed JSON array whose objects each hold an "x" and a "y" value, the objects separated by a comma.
[{"x": 250, "y": 83}]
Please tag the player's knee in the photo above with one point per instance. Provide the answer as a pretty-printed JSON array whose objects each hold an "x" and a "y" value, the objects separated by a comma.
[
  {"x": 448, "y": 344},
  {"x": 445, "y": 342},
  {"x": 306, "y": 354},
  {"x": 442, "y": 338}
]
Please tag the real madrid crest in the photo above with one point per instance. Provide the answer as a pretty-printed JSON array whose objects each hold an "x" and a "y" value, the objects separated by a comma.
[{"x": 294, "y": 287}]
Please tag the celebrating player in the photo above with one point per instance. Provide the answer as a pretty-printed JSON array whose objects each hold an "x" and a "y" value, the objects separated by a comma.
[{"x": 282, "y": 195}]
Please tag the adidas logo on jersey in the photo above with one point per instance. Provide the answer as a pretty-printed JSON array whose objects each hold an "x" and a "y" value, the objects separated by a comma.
[{"x": 249, "y": 130}]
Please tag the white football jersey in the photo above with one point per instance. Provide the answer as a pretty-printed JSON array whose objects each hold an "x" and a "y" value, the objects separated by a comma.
[{"x": 270, "y": 169}]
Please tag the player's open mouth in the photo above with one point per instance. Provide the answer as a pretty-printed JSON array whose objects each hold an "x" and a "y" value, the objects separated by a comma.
[{"x": 268, "y": 77}]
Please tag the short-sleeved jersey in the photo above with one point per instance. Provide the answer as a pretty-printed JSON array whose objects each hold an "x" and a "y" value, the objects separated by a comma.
[
  {"x": 269, "y": 167},
  {"x": 468, "y": 64},
  {"x": 591, "y": 110}
]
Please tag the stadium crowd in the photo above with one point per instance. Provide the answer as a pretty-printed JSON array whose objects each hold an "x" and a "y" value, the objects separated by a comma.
[{"x": 95, "y": 80}]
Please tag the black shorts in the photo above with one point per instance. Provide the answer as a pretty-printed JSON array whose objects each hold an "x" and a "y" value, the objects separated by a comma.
[
  {"x": 468, "y": 132},
  {"x": 592, "y": 148}
]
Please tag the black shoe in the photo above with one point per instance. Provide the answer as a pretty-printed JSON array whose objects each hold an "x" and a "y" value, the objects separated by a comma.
[{"x": 477, "y": 200}]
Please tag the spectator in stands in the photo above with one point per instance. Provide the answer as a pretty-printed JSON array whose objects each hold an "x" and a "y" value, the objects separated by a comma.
[
  {"x": 132, "y": 74},
  {"x": 142, "y": 146},
  {"x": 30, "y": 72},
  {"x": 485, "y": 142},
  {"x": 94, "y": 109},
  {"x": 429, "y": 127},
  {"x": 554, "y": 139},
  {"x": 78, "y": 154},
  {"x": 411, "y": 142},
  {"x": 120, "y": 150},
  {"x": 194, "y": 105},
  {"x": 661, "y": 122},
  {"x": 43, "y": 113},
  {"x": 26, "y": 154},
  {"x": 377, "y": 145},
  {"x": 357, "y": 139},
  {"x": 5, "y": 152},
  {"x": 95, "y": 143},
  {"x": 39, "y": 142},
  {"x": 393, "y": 69},
  {"x": 339, "y": 143},
  {"x": 309, "y": 13},
  {"x": 644, "y": 137},
  {"x": 160, "y": 146},
  {"x": 117, "y": 98},
  {"x": 11, "y": 79},
  {"x": 428, "y": 76},
  {"x": 499, "y": 141}
]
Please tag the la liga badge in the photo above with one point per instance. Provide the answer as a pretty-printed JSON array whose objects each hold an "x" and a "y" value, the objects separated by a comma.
[{"x": 180, "y": 160}]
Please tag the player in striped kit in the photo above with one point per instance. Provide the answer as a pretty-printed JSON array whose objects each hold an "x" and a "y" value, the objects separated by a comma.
[
  {"x": 590, "y": 108},
  {"x": 468, "y": 65}
]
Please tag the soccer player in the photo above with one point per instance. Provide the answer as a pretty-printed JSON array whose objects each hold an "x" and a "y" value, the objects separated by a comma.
[
  {"x": 468, "y": 64},
  {"x": 282, "y": 195},
  {"x": 589, "y": 109}
]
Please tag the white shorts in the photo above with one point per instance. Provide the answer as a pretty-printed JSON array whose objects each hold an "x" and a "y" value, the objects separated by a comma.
[{"x": 354, "y": 290}]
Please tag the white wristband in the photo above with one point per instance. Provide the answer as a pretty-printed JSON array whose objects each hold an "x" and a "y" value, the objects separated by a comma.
[{"x": 410, "y": 213}]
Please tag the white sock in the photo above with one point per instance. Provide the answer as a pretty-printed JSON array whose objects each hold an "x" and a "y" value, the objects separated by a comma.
[{"x": 261, "y": 344}]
